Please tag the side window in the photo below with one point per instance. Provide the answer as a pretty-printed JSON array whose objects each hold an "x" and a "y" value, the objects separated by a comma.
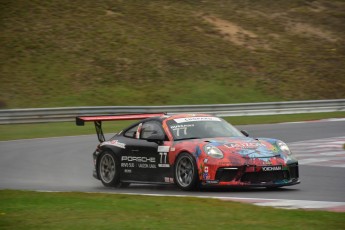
[
  {"x": 131, "y": 132},
  {"x": 151, "y": 128}
]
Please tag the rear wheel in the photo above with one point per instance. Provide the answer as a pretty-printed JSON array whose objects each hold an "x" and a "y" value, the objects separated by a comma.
[
  {"x": 109, "y": 169},
  {"x": 186, "y": 172}
]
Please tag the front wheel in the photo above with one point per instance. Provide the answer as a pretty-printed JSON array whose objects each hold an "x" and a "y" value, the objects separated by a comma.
[
  {"x": 186, "y": 172},
  {"x": 109, "y": 169}
]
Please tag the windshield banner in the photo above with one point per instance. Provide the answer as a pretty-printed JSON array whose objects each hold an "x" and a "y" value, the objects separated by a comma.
[{"x": 191, "y": 119}]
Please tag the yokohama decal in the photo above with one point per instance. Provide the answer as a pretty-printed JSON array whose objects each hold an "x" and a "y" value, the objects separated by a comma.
[{"x": 271, "y": 168}]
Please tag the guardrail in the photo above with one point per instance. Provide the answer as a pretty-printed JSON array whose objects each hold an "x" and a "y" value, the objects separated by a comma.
[{"x": 36, "y": 115}]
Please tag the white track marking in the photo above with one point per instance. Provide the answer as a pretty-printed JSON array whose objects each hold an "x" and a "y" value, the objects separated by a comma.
[
  {"x": 322, "y": 152},
  {"x": 303, "y": 204},
  {"x": 312, "y": 121}
]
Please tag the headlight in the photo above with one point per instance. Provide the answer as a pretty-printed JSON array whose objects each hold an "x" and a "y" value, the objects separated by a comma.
[
  {"x": 284, "y": 147},
  {"x": 213, "y": 151}
]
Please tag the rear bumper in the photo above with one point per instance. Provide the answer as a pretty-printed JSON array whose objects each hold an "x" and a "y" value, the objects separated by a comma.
[{"x": 94, "y": 159}]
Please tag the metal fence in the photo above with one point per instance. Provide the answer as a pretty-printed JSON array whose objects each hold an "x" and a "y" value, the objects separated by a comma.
[{"x": 36, "y": 115}]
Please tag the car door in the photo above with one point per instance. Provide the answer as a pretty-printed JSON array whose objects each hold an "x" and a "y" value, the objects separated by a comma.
[{"x": 145, "y": 160}]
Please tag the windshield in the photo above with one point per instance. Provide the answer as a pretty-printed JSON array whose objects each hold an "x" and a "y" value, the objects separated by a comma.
[{"x": 201, "y": 127}]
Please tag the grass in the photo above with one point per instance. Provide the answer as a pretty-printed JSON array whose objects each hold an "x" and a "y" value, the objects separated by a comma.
[
  {"x": 24, "y": 131},
  {"x": 245, "y": 120},
  {"x": 63, "y": 53},
  {"x": 36, "y": 210}
]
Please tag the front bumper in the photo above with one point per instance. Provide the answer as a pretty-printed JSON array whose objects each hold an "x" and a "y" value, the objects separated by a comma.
[{"x": 254, "y": 176}]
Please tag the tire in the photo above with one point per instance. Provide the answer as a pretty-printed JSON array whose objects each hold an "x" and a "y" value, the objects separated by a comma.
[
  {"x": 186, "y": 172},
  {"x": 109, "y": 169}
]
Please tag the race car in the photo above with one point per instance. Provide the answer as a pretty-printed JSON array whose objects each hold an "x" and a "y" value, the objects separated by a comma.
[{"x": 190, "y": 150}]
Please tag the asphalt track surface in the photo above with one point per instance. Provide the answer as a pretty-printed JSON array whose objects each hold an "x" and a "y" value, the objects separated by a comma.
[{"x": 65, "y": 164}]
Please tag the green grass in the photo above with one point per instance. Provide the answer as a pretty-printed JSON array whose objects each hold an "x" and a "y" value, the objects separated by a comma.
[
  {"x": 84, "y": 52},
  {"x": 24, "y": 131},
  {"x": 36, "y": 210}
]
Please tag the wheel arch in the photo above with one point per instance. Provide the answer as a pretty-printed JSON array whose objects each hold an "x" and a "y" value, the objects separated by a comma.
[
  {"x": 193, "y": 154},
  {"x": 102, "y": 149},
  {"x": 181, "y": 152},
  {"x": 115, "y": 150}
]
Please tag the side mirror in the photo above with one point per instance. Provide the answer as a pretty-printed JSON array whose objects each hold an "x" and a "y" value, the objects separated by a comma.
[
  {"x": 245, "y": 133},
  {"x": 156, "y": 137}
]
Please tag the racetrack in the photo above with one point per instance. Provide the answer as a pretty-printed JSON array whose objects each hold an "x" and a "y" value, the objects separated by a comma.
[{"x": 65, "y": 164}]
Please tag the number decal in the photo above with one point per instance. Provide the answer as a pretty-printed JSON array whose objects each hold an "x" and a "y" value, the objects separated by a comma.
[
  {"x": 163, "y": 163},
  {"x": 184, "y": 131},
  {"x": 163, "y": 158}
]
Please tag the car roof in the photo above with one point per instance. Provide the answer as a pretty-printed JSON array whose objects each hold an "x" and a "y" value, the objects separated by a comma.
[
  {"x": 166, "y": 117},
  {"x": 171, "y": 117}
]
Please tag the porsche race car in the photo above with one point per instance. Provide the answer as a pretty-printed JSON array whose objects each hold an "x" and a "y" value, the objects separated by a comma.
[{"x": 190, "y": 150}]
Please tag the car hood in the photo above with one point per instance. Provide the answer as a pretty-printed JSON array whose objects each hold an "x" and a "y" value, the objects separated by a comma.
[{"x": 246, "y": 147}]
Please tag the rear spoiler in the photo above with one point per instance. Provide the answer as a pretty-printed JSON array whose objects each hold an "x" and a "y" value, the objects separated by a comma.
[{"x": 80, "y": 121}]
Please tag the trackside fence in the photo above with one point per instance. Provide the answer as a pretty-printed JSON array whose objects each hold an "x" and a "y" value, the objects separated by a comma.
[{"x": 37, "y": 115}]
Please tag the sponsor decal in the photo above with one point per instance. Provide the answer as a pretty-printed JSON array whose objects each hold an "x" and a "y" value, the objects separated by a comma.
[
  {"x": 175, "y": 127},
  {"x": 146, "y": 166},
  {"x": 271, "y": 168},
  {"x": 140, "y": 162},
  {"x": 211, "y": 182},
  {"x": 168, "y": 180},
  {"x": 191, "y": 119},
  {"x": 205, "y": 160},
  {"x": 127, "y": 165},
  {"x": 138, "y": 159},
  {"x": 248, "y": 145},
  {"x": 163, "y": 160},
  {"x": 128, "y": 171},
  {"x": 114, "y": 143},
  {"x": 163, "y": 149},
  {"x": 205, "y": 176}
]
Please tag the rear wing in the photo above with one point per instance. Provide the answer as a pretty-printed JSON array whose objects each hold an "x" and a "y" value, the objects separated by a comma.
[{"x": 80, "y": 121}]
